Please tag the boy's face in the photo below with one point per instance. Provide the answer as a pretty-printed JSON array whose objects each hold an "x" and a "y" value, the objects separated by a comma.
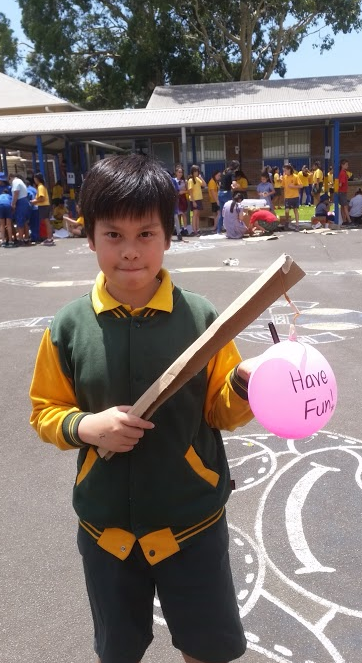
[
  {"x": 130, "y": 254},
  {"x": 264, "y": 180}
]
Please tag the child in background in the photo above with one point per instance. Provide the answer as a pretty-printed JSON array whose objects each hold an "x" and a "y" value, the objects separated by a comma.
[
  {"x": 75, "y": 228},
  {"x": 6, "y": 213},
  {"x": 232, "y": 214},
  {"x": 317, "y": 186},
  {"x": 194, "y": 184},
  {"x": 277, "y": 182},
  {"x": 343, "y": 192},
  {"x": 58, "y": 213},
  {"x": 182, "y": 196},
  {"x": 291, "y": 186},
  {"x": 264, "y": 221},
  {"x": 331, "y": 182},
  {"x": 240, "y": 183},
  {"x": 265, "y": 189},
  {"x": 322, "y": 212},
  {"x": 153, "y": 516},
  {"x": 213, "y": 189},
  {"x": 304, "y": 182},
  {"x": 57, "y": 193}
]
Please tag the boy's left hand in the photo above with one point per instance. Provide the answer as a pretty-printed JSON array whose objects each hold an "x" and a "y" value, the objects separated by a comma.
[{"x": 246, "y": 367}]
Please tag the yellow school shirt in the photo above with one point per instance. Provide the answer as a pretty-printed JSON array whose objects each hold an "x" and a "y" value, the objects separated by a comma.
[
  {"x": 242, "y": 183},
  {"x": 42, "y": 191},
  {"x": 59, "y": 212},
  {"x": 80, "y": 220},
  {"x": 194, "y": 188},
  {"x": 213, "y": 188},
  {"x": 330, "y": 180},
  {"x": 277, "y": 179},
  {"x": 287, "y": 181},
  {"x": 317, "y": 176},
  {"x": 304, "y": 179},
  {"x": 57, "y": 191}
]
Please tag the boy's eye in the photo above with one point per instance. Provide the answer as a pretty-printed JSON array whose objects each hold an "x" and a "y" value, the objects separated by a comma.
[
  {"x": 146, "y": 233},
  {"x": 113, "y": 235}
]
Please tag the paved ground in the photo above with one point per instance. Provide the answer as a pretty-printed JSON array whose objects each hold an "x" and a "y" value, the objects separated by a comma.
[{"x": 295, "y": 518}]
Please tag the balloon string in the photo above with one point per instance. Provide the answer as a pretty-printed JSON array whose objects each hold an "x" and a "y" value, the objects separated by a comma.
[{"x": 292, "y": 330}]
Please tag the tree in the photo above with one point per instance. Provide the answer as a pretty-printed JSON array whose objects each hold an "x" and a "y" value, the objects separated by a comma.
[
  {"x": 9, "y": 56},
  {"x": 107, "y": 54},
  {"x": 112, "y": 54},
  {"x": 248, "y": 40}
]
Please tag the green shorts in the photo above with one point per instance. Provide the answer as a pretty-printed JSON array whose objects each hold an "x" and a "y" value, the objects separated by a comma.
[{"x": 195, "y": 589}]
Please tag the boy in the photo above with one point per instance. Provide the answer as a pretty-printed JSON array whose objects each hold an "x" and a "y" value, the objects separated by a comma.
[
  {"x": 291, "y": 186},
  {"x": 343, "y": 192},
  {"x": 322, "y": 215},
  {"x": 153, "y": 515}
]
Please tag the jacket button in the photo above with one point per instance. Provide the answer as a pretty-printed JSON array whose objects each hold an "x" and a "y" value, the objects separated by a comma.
[
  {"x": 152, "y": 553},
  {"x": 137, "y": 325},
  {"x": 123, "y": 548}
]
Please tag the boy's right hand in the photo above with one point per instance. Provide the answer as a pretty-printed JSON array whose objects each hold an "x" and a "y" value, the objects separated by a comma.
[{"x": 113, "y": 429}]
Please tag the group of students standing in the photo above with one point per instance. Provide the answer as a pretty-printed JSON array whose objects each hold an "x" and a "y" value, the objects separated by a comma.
[
  {"x": 190, "y": 195},
  {"x": 26, "y": 205},
  {"x": 227, "y": 189}
]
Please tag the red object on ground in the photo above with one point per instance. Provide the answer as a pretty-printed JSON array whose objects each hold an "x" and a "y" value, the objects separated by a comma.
[{"x": 263, "y": 215}]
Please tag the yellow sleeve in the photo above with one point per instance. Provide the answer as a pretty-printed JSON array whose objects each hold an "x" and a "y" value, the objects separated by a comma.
[
  {"x": 190, "y": 184},
  {"x": 224, "y": 408},
  {"x": 55, "y": 412}
]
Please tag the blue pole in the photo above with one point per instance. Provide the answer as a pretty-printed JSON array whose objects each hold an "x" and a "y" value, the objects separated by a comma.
[
  {"x": 83, "y": 159},
  {"x": 33, "y": 159},
  {"x": 57, "y": 167},
  {"x": 69, "y": 162},
  {"x": 336, "y": 169},
  {"x": 39, "y": 147},
  {"x": 101, "y": 154},
  {"x": 4, "y": 162},
  {"x": 193, "y": 147},
  {"x": 326, "y": 161}
]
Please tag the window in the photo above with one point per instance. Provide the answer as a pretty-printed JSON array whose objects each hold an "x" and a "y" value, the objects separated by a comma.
[
  {"x": 286, "y": 144},
  {"x": 213, "y": 149}
]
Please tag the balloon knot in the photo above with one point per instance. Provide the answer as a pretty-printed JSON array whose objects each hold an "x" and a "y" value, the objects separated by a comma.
[{"x": 292, "y": 333}]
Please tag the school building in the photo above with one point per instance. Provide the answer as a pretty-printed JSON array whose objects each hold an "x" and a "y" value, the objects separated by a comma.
[{"x": 257, "y": 122}]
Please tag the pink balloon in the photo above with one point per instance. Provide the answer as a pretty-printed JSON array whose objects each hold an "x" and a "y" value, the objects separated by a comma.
[{"x": 293, "y": 390}]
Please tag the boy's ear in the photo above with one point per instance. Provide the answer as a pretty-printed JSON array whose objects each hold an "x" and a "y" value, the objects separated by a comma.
[
  {"x": 91, "y": 244},
  {"x": 167, "y": 244}
]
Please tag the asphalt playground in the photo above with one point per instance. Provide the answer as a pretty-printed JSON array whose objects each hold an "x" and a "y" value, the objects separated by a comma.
[{"x": 295, "y": 516}]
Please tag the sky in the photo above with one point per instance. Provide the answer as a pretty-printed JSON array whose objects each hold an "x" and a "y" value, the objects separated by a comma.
[{"x": 344, "y": 58}]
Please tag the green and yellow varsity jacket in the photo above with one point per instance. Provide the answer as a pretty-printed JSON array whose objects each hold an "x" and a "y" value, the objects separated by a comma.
[{"x": 174, "y": 484}]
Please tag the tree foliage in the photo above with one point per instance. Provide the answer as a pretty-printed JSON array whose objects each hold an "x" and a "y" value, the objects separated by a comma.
[
  {"x": 112, "y": 54},
  {"x": 9, "y": 57}
]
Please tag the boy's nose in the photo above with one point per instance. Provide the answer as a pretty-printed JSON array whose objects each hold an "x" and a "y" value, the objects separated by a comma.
[{"x": 130, "y": 251}]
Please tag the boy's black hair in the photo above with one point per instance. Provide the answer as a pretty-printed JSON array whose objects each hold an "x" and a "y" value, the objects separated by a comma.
[{"x": 132, "y": 186}]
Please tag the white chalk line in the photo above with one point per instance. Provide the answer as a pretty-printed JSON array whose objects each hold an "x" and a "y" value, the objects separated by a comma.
[
  {"x": 259, "y": 537},
  {"x": 325, "y": 642},
  {"x": 237, "y": 462},
  {"x": 294, "y": 521},
  {"x": 255, "y": 594}
]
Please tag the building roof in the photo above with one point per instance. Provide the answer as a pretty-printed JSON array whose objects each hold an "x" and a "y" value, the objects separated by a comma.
[
  {"x": 206, "y": 115},
  {"x": 256, "y": 92},
  {"x": 20, "y": 97}
]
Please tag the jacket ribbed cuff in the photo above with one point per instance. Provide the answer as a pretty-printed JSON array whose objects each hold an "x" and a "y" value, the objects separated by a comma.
[
  {"x": 70, "y": 429},
  {"x": 239, "y": 385}
]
